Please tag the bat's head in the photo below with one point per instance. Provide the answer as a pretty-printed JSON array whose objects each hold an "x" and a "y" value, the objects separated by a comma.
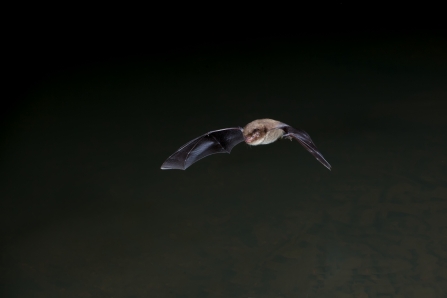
[
  {"x": 262, "y": 131},
  {"x": 255, "y": 132}
]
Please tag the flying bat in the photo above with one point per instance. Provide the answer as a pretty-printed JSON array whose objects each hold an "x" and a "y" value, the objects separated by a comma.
[{"x": 258, "y": 132}]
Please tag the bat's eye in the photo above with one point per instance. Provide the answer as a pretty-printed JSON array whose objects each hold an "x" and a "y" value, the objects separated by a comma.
[{"x": 255, "y": 130}]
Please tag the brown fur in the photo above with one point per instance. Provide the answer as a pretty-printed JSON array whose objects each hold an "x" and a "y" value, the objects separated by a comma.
[{"x": 262, "y": 131}]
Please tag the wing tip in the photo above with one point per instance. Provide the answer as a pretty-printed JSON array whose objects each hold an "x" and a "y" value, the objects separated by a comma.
[
  {"x": 167, "y": 167},
  {"x": 326, "y": 164}
]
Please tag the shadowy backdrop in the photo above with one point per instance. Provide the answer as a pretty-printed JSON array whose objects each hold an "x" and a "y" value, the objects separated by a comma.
[{"x": 85, "y": 210}]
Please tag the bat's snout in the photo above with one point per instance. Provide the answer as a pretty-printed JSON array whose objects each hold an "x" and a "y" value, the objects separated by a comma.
[{"x": 249, "y": 139}]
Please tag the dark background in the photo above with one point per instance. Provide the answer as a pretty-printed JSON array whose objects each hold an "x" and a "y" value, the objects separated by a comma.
[{"x": 85, "y": 210}]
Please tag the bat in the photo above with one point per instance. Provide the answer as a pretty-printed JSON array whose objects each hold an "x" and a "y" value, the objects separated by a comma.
[{"x": 258, "y": 132}]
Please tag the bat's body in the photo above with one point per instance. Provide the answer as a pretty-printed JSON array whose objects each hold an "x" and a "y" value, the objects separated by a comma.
[{"x": 258, "y": 132}]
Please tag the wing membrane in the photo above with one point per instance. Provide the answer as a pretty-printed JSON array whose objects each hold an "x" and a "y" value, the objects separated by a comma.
[
  {"x": 304, "y": 139},
  {"x": 217, "y": 141}
]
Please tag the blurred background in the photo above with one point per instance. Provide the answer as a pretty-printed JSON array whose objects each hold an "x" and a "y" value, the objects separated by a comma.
[{"x": 85, "y": 210}]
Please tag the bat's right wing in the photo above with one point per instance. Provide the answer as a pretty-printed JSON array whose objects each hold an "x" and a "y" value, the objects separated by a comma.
[
  {"x": 217, "y": 141},
  {"x": 304, "y": 139}
]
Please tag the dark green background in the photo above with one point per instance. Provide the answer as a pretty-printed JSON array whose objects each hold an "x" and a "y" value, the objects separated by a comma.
[{"x": 85, "y": 210}]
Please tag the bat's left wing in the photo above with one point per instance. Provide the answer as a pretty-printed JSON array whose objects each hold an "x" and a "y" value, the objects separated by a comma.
[
  {"x": 305, "y": 140},
  {"x": 217, "y": 141}
]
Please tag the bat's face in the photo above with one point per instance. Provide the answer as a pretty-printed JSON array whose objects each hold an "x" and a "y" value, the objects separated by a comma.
[
  {"x": 262, "y": 131},
  {"x": 254, "y": 133}
]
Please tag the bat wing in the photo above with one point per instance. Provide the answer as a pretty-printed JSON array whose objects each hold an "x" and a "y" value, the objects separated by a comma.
[
  {"x": 217, "y": 141},
  {"x": 305, "y": 140}
]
